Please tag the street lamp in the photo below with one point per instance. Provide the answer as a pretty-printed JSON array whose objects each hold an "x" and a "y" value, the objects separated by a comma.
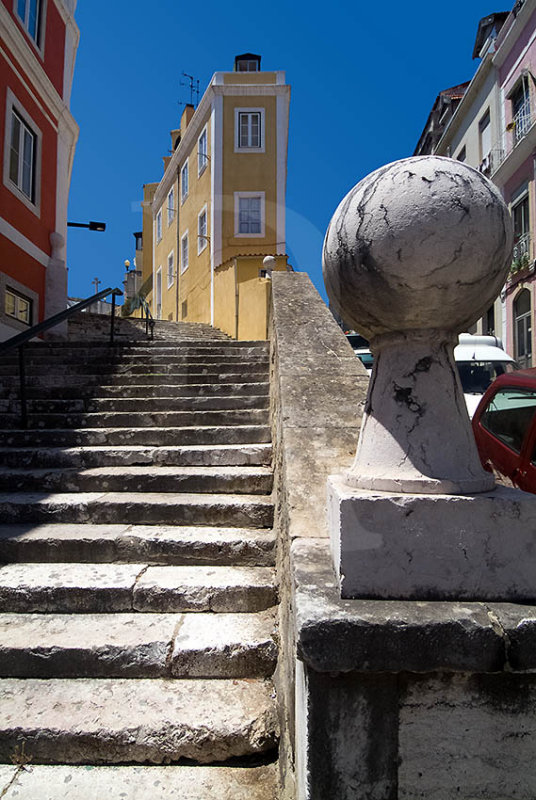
[{"x": 93, "y": 226}]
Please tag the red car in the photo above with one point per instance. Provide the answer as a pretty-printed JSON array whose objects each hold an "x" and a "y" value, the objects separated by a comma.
[{"x": 504, "y": 425}]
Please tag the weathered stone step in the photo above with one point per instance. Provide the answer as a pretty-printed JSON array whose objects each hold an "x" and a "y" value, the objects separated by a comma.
[
  {"x": 243, "y": 511},
  {"x": 135, "y": 390},
  {"x": 150, "y": 544},
  {"x": 138, "y": 783},
  {"x": 128, "y": 368},
  {"x": 87, "y": 437},
  {"x": 153, "y": 378},
  {"x": 132, "y": 455},
  {"x": 107, "y": 404},
  {"x": 132, "y": 645},
  {"x": 115, "y": 720},
  {"x": 145, "y": 345},
  {"x": 124, "y": 353},
  {"x": 68, "y": 588},
  {"x": 139, "y": 419},
  {"x": 250, "y": 480}
]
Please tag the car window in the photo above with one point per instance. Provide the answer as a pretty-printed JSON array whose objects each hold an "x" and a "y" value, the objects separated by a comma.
[
  {"x": 476, "y": 376},
  {"x": 509, "y": 415}
]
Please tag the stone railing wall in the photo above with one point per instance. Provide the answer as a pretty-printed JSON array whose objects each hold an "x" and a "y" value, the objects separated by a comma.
[{"x": 318, "y": 393}]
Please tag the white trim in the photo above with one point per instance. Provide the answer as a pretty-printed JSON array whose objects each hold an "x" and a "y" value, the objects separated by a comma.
[
  {"x": 242, "y": 195},
  {"x": 200, "y": 170},
  {"x": 39, "y": 42},
  {"x": 18, "y": 238},
  {"x": 281, "y": 122},
  {"x": 170, "y": 208},
  {"x": 183, "y": 237},
  {"x": 14, "y": 104},
  {"x": 246, "y": 110},
  {"x": 12, "y": 325},
  {"x": 172, "y": 281},
  {"x": 35, "y": 79},
  {"x": 158, "y": 314},
  {"x": 158, "y": 233},
  {"x": 216, "y": 190},
  {"x": 184, "y": 194},
  {"x": 202, "y": 241}
]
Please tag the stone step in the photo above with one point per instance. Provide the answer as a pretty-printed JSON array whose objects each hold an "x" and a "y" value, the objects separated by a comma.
[
  {"x": 150, "y": 544},
  {"x": 250, "y": 480},
  {"x": 138, "y": 783},
  {"x": 126, "y": 368},
  {"x": 69, "y": 588},
  {"x": 135, "y": 390},
  {"x": 146, "y": 345},
  {"x": 133, "y": 645},
  {"x": 139, "y": 419},
  {"x": 249, "y": 511},
  {"x": 185, "y": 377},
  {"x": 133, "y": 404},
  {"x": 175, "y": 436},
  {"x": 137, "y": 455},
  {"x": 118, "y": 720},
  {"x": 125, "y": 353}
]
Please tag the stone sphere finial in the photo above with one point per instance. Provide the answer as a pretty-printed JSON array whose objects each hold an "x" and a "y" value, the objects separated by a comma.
[
  {"x": 414, "y": 254},
  {"x": 421, "y": 243}
]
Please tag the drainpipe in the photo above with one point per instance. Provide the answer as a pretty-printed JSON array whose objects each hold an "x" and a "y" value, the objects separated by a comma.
[{"x": 236, "y": 296}]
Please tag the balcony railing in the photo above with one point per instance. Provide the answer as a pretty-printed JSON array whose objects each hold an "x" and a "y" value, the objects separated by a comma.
[
  {"x": 515, "y": 133},
  {"x": 521, "y": 255}
]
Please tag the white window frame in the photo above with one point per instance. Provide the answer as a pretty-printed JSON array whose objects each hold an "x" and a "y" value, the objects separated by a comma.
[
  {"x": 184, "y": 261},
  {"x": 171, "y": 206},
  {"x": 15, "y": 287},
  {"x": 243, "y": 195},
  {"x": 170, "y": 273},
  {"x": 39, "y": 39},
  {"x": 158, "y": 226},
  {"x": 13, "y": 106},
  {"x": 202, "y": 240},
  {"x": 185, "y": 185},
  {"x": 158, "y": 293},
  {"x": 242, "y": 110},
  {"x": 202, "y": 155},
  {"x": 19, "y": 298}
]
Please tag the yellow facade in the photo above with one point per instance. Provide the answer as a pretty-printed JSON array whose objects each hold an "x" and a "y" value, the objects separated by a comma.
[{"x": 226, "y": 180}]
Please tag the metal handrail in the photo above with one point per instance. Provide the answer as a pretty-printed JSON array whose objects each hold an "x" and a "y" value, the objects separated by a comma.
[{"x": 20, "y": 339}]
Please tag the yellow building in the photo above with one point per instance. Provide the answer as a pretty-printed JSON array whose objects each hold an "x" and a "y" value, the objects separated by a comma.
[{"x": 219, "y": 208}]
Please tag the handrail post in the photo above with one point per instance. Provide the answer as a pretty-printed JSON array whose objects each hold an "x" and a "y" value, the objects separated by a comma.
[
  {"x": 22, "y": 378},
  {"x": 113, "y": 319},
  {"x": 146, "y": 321}
]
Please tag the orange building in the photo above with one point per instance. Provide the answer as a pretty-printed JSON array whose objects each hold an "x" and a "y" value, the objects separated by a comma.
[{"x": 38, "y": 136}]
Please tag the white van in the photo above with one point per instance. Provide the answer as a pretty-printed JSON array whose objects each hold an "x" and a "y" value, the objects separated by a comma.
[{"x": 480, "y": 359}]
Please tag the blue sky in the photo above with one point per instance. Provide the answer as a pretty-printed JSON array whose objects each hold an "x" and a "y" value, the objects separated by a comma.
[{"x": 363, "y": 78}]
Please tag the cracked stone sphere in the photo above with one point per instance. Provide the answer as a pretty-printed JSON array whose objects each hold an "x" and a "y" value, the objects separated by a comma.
[{"x": 419, "y": 244}]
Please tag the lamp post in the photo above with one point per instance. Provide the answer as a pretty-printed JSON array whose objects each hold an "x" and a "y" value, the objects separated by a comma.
[{"x": 92, "y": 226}]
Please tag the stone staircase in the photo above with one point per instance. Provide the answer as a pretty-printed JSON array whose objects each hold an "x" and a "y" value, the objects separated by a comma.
[{"x": 137, "y": 589}]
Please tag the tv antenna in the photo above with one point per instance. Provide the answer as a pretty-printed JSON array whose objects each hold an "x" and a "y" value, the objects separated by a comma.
[{"x": 193, "y": 85}]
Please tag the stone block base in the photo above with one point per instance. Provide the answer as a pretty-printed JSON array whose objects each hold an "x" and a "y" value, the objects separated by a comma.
[{"x": 433, "y": 547}]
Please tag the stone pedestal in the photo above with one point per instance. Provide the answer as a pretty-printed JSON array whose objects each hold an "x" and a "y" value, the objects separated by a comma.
[{"x": 389, "y": 545}]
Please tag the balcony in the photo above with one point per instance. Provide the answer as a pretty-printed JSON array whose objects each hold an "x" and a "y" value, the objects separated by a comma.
[
  {"x": 522, "y": 263},
  {"x": 516, "y": 134}
]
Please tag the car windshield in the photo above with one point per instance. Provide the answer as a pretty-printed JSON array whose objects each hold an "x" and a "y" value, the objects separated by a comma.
[{"x": 476, "y": 376}]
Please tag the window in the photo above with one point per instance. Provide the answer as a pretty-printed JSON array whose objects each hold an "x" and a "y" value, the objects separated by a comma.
[
  {"x": 484, "y": 128},
  {"x": 170, "y": 269},
  {"x": 159, "y": 226},
  {"x": 202, "y": 240},
  {"x": 184, "y": 252},
  {"x": 184, "y": 182},
  {"x": 520, "y": 99},
  {"x": 22, "y": 156},
  {"x": 520, "y": 216},
  {"x": 249, "y": 127},
  {"x": 29, "y": 13},
  {"x": 202, "y": 156},
  {"x": 249, "y": 214},
  {"x": 171, "y": 206},
  {"x": 18, "y": 306},
  {"x": 509, "y": 416},
  {"x": 523, "y": 329}
]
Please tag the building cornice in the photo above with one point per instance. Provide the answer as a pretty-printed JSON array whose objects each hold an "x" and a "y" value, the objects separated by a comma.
[
  {"x": 196, "y": 123},
  {"x": 474, "y": 87},
  {"x": 16, "y": 44},
  {"x": 505, "y": 46}
]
